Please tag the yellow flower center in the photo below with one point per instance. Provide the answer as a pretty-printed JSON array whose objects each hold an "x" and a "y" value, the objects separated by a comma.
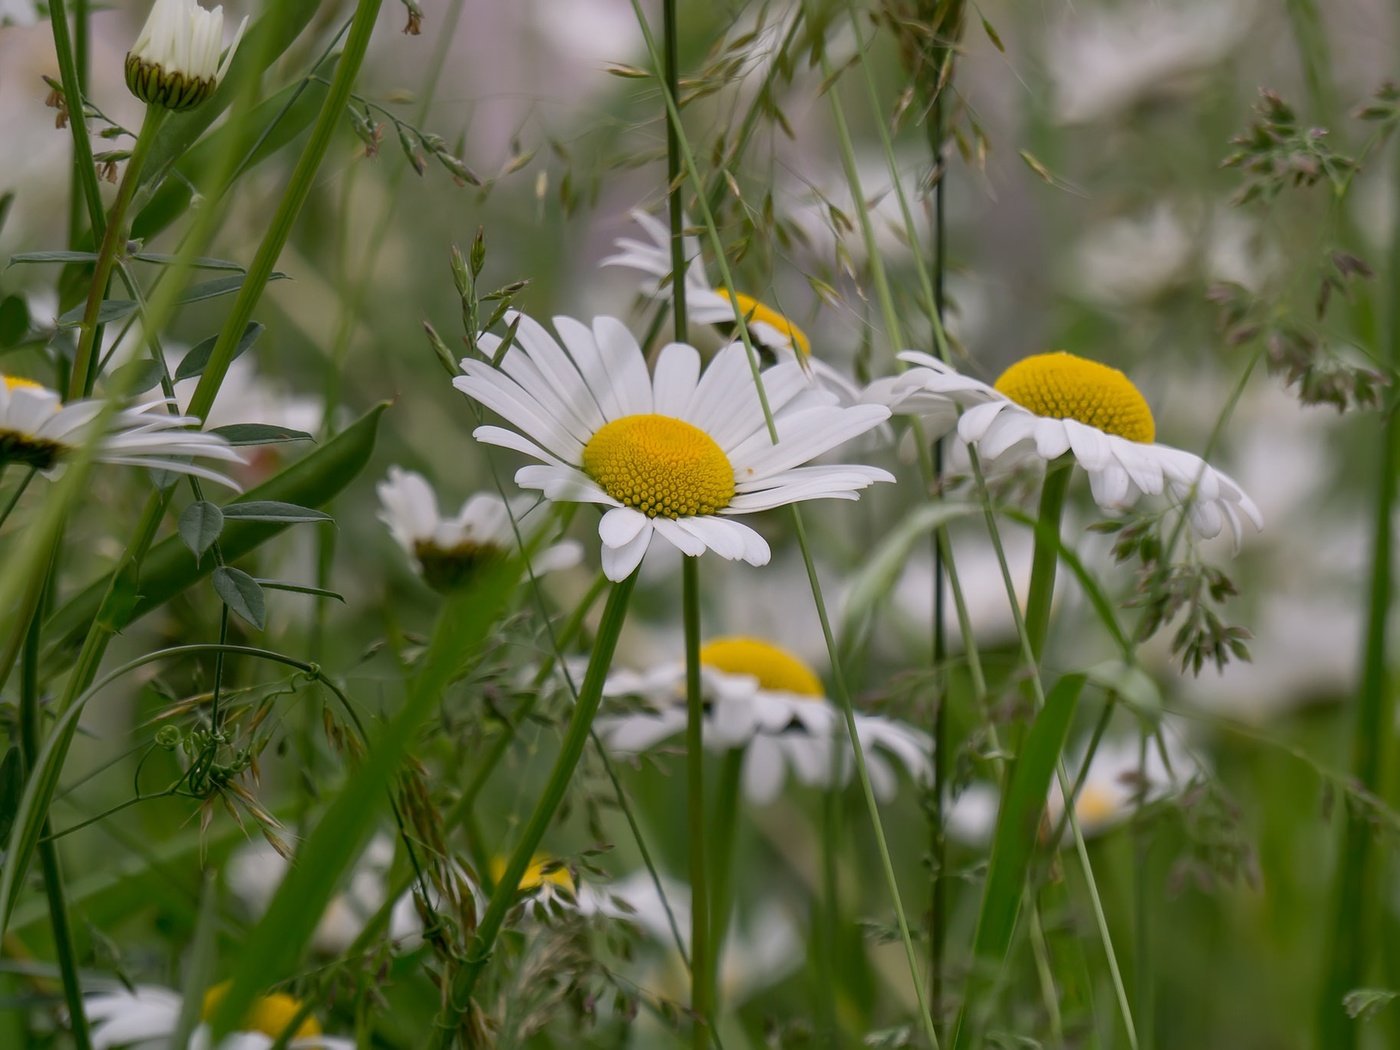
[
  {"x": 1062, "y": 386},
  {"x": 535, "y": 875},
  {"x": 270, "y": 1015},
  {"x": 18, "y": 383},
  {"x": 754, "y": 312},
  {"x": 776, "y": 669},
  {"x": 660, "y": 465}
]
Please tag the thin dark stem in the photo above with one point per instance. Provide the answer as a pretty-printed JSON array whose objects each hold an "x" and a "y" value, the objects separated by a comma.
[{"x": 700, "y": 961}]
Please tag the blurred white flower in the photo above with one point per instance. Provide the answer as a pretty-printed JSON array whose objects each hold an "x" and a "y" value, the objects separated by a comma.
[
  {"x": 256, "y": 870},
  {"x": 148, "y": 1016},
  {"x": 1122, "y": 778},
  {"x": 767, "y": 327},
  {"x": 18, "y": 12},
  {"x": 1049, "y": 405},
  {"x": 38, "y": 430},
  {"x": 447, "y": 551},
  {"x": 175, "y": 60},
  {"x": 1102, "y": 61},
  {"x": 765, "y": 701}
]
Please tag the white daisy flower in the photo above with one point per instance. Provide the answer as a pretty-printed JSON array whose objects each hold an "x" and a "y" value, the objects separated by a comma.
[
  {"x": 147, "y": 1018},
  {"x": 768, "y": 328},
  {"x": 676, "y": 455},
  {"x": 1048, "y": 405},
  {"x": 175, "y": 60},
  {"x": 546, "y": 887},
  {"x": 38, "y": 430},
  {"x": 447, "y": 551},
  {"x": 767, "y": 702}
]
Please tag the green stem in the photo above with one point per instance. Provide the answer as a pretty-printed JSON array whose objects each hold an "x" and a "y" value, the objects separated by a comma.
[
  {"x": 575, "y": 737},
  {"x": 701, "y": 966},
  {"x": 1047, "y": 554},
  {"x": 70, "y": 76},
  {"x": 84, "y": 375},
  {"x": 48, "y": 851},
  {"x": 331, "y": 114},
  {"x": 843, "y": 701},
  {"x": 1357, "y": 896},
  {"x": 724, "y": 826},
  {"x": 1142, "y": 914}
]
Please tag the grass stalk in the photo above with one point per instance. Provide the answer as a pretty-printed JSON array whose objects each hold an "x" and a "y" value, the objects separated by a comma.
[
  {"x": 701, "y": 965},
  {"x": 575, "y": 737}
]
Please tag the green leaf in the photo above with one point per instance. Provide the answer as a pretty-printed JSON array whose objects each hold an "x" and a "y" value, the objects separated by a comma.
[
  {"x": 11, "y": 789},
  {"x": 272, "y": 510},
  {"x": 200, "y": 263},
  {"x": 136, "y": 377},
  {"x": 241, "y": 593},
  {"x": 51, "y": 257},
  {"x": 199, "y": 963},
  {"x": 200, "y": 525},
  {"x": 14, "y": 320},
  {"x": 873, "y": 581},
  {"x": 170, "y": 568},
  {"x": 218, "y": 286},
  {"x": 273, "y": 947},
  {"x": 1364, "y": 1002},
  {"x": 192, "y": 364},
  {"x": 110, "y": 310},
  {"x": 259, "y": 434},
  {"x": 299, "y": 588},
  {"x": 1012, "y": 850}
]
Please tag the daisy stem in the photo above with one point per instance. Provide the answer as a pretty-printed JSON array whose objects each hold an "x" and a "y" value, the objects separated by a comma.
[
  {"x": 84, "y": 374},
  {"x": 575, "y": 737},
  {"x": 48, "y": 849},
  {"x": 843, "y": 699},
  {"x": 1357, "y": 894},
  {"x": 701, "y": 966},
  {"x": 724, "y": 822},
  {"x": 1046, "y": 557},
  {"x": 71, "y": 75},
  {"x": 1037, "y": 688}
]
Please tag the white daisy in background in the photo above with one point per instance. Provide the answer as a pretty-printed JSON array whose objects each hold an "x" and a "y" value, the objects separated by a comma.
[
  {"x": 1105, "y": 60},
  {"x": 768, "y": 328},
  {"x": 765, "y": 701},
  {"x": 758, "y": 953},
  {"x": 679, "y": 454},
  {"x": 147, "y": 1017},
  {"x": 1121, "y": 780},
  {"x": 448, "y": 551},
  {"x": 38, "y": 430},
  {"x": 256, "y": 870},
  {"x": 1048, "y": 405},
  {"x": 547, "y": 887},
  {"x": 175, "y": 60}
]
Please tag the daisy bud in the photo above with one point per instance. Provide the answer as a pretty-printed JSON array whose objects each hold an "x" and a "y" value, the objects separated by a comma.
[{"x": 175, "y": 61}]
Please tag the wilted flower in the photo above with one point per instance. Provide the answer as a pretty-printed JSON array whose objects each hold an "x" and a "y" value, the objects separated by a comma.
[
  {"x": 175, "y": 61},
  {"x": 448, "y": 551}
]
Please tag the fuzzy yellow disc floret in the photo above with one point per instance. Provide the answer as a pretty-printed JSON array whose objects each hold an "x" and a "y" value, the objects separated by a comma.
[
  {"x": 662, "y": 466},
  {"x": 268, "y": 1015},
  {"x": 775, "y": 668},
  {"x": 1062, "y": 386},
  {"x": 535, "y": 876},
  {"x": 17, "y": 383},
  {"x": 754, "y": 312}
]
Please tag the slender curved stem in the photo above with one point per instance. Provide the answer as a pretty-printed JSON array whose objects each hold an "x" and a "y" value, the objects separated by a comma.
[
  {"x": 701, "y": 963},
  {"x": 575, "y": 737}
]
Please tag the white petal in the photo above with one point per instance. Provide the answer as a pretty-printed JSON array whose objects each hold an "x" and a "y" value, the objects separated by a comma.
[{"x": 621, "y": 562}]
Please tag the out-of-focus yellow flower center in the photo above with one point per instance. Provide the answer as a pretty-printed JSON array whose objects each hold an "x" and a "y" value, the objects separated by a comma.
[
  {"x": 660, "y": 465},
  {"x": 1062, "y": 386},
  {"x": 1095, "y": 804},
  {"x": 535, "y": 875},
  {"x": 18, "y": 383},
  {"x": 269, "y": 1015},
  {"x": 775, "y": 668},
  {"x": 754, "y": 312}
]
